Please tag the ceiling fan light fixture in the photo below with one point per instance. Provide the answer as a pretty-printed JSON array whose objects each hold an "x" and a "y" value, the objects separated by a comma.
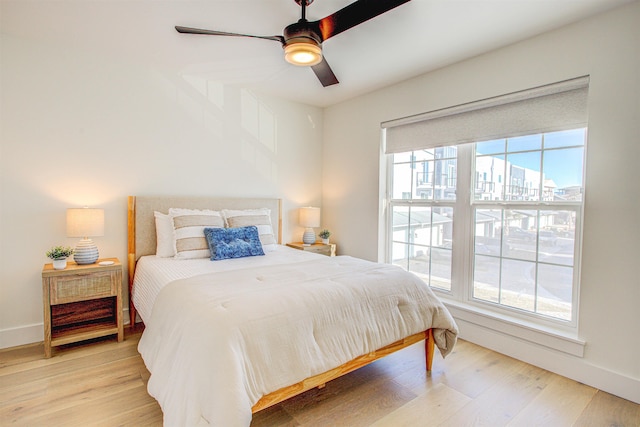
[{"x": 303, "y": 53}]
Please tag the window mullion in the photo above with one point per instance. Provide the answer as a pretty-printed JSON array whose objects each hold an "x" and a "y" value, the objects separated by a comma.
[{"x": 462, "y": 225}]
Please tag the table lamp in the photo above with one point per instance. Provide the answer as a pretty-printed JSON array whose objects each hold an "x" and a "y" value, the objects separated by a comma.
[
  {"x": 309, "y": 218},
  {"x": 85, "y": 223}
]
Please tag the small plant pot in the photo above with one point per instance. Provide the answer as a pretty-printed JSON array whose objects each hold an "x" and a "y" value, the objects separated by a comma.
[
  {"x": 325, "y": 241},
  {"x": 60, "y": 264}
]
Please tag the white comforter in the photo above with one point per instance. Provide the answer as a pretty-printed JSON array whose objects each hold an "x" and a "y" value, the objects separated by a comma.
[
  {"x": 154, "y": 273},
  {"x": 216, "y": 343}
]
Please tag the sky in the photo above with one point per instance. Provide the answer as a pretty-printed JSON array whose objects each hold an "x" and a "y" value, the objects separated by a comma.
[{"x": 562, "y": 159}]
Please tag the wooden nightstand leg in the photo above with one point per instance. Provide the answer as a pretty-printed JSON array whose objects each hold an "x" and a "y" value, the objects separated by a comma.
[
  {"x": 47, "y": 347},
  {"x": 119, "y": 316},
  {"x": 119, "y": 321},
  {"x": 46, "y": 302}
]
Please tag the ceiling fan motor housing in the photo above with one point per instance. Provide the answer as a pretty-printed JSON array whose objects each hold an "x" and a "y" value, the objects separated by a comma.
[{"x": 302, "y": 32}]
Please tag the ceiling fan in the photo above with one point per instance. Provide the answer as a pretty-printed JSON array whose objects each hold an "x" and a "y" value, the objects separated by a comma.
[{"x": 302, "y": 41}]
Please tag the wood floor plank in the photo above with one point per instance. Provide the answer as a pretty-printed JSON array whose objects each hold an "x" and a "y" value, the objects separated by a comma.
[
  {"x": 274, "y": 416},
  {"x": 608, "y": 410},
  {"x": 103, "y": 383},
  {"x": 93, "y": 412},
  {"x": 559, "y": 404},
  {"x": 359, "y": 406},
  {"x": 149, "y": 415},
  {"x": 82, "y": 357},
  {"x": 500, "y": 403},
  {"x": 76, "y": 388},
  {"x": 436, "y": 405},
  {"x": 18, "y": 356},
  {"x": 360, "y": 403},
  {"x": 487, "y": 370}
]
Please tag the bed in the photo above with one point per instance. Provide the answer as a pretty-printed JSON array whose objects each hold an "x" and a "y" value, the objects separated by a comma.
[{"x": 225, "y": 339}]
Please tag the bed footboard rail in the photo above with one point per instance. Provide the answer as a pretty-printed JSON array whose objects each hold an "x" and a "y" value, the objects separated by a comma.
[{"x": 321, "y": 379}]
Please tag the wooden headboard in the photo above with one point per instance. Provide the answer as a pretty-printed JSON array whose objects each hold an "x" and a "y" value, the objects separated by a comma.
[{"x": 142, "y": 225}]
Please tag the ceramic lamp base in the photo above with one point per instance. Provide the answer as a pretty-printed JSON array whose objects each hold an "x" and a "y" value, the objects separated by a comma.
[
  {"x": 86, "y": 252},
  {"x": 309, "y": 237}
]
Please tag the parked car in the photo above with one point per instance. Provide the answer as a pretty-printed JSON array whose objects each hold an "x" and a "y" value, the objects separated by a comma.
[
  {"x": 518, "y": 234},
  {"x": 548, "y": 238}
]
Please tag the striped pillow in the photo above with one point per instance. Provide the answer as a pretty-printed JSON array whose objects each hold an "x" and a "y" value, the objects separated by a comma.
[
  {"x": 261, "y": 218},
  {"x": 188, "y": 228}
]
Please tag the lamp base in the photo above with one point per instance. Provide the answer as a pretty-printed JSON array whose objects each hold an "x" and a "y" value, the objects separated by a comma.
[
  {"x": 309, "y": 237},
  {"x": 86, "y": 252}
]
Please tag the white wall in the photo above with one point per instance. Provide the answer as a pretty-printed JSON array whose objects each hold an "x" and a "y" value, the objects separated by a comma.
[
  {"x": 607, "y": 48},
  {"x": 80, "y": 128}
]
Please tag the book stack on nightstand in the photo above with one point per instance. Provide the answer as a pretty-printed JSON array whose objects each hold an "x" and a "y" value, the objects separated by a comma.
[
  {"x": 319, "y": 248},
  {"x": 82, "y": 302}
]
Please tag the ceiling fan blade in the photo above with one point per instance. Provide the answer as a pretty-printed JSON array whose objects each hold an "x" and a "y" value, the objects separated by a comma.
[
  {"x": 187, "y": 30},
  {"x": 354, "y": 14},
  {"x": 324, "y": 73}
]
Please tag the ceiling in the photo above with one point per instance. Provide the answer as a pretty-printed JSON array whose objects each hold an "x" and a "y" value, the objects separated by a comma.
[{"x": 414, "y": 38}]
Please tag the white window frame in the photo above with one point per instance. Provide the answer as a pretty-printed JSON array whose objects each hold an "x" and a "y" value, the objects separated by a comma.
[{"x": 557, "y": 334}]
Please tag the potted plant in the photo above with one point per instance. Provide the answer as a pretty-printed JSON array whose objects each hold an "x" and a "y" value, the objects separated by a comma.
[
  {"x": 324, "y": 235},
  {"x": 59, "y": 255}
]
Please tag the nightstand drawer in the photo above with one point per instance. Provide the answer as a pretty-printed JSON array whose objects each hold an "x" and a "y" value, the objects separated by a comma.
[
  {"x": 317, "y": 249},
  {"x": 81, "y": 287}
]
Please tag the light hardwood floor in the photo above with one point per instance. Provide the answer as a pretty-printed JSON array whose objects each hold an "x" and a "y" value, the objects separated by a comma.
[{"x": 104, "y": 384}]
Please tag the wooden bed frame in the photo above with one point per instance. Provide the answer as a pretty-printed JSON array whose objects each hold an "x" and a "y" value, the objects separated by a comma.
[{"x": 142, "y": 241}]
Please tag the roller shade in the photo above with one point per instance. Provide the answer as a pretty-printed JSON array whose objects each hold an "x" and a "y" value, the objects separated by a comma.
[{"x": 549, "y": 108}]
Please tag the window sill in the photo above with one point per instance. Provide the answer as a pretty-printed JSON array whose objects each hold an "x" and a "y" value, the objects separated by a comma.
[{"x": 564, "y": 341}]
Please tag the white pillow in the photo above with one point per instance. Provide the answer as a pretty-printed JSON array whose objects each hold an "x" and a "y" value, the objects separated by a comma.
[
  {"x": 165, "y": 240},
  {"x": 188, "y": 228},
  {"x": 261, "y": 218}
]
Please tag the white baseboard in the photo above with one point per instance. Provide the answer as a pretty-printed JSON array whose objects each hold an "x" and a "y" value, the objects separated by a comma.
[
  {"x": 31, "y": 334},
  {"x": 22, "y": 335},
  {"x": 561, "y": 363}
]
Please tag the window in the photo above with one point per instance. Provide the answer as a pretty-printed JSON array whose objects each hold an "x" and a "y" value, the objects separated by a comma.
[
  {"x": 493, "y": 222},
  {"x": 422, "y": 224},
  {"x": 524, "y": 245}
]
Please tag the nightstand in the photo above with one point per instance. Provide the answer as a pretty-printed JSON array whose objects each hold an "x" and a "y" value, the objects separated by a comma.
[
  {"x": 81, "y": 302},
  {"x": 319, "y": 248}
]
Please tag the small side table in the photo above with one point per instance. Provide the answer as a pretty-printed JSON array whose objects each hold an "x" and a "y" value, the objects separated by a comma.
[
  {"x": 319, "y": 248},
  {"x": 81, "y": 302}
]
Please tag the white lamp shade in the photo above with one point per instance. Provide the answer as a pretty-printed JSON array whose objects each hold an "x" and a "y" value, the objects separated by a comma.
[
  {"x": 85, "y": 222},
  {"x": 310, "y": 217}
]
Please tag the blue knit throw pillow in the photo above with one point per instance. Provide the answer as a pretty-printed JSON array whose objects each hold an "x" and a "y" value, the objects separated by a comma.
[{"x": 225, "y": 243}]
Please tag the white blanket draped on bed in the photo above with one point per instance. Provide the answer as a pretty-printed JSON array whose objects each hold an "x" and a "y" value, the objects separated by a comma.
[{"x": 217, "y": 343}]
